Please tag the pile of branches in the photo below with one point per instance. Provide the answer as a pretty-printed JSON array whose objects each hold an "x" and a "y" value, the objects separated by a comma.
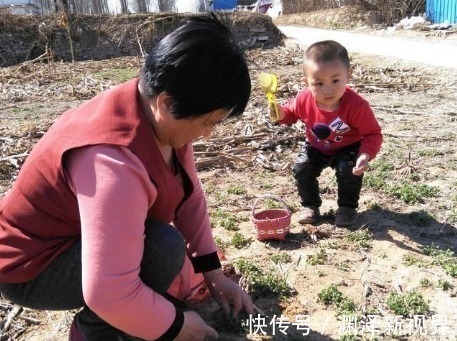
[{"x": 14, "y": 321}]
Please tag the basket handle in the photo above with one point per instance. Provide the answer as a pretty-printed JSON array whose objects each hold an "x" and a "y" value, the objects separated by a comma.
[{"x": 271, "y": 197}]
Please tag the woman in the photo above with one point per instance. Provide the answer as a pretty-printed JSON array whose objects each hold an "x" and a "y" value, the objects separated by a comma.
[{"x": 108, "y": 203}]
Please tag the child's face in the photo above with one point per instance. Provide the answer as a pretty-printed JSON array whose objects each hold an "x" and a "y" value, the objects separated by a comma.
[{"x": 327, "y": 82}]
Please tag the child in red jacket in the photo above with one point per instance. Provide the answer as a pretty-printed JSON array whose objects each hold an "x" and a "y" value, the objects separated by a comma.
[{"x": 341, "y": 132}]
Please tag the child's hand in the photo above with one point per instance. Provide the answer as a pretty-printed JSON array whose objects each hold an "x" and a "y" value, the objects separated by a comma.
[
  {"x": 276, "y": 114},
  {"x": 361, "y": 164}
]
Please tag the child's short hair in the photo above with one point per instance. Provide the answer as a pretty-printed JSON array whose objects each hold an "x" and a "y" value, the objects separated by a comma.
[{"x": 327, "y": 51}]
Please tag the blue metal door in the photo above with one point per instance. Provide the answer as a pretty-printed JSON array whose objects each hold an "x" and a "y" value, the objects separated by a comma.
[
  {"x": 224, "y": 4},
  {"x": 442, "y": 11}
]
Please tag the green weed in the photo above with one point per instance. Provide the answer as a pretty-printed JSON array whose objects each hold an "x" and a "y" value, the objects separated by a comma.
[
  {"x": 346, "y": 307},
  {"x": 410, "y": 303},
  {"x": 350, "y": 337},
  {"x": 272, "y": 204},
  {"x": 264, "y": 283},
  {"x": 411, "y": 259},
  {"x": 425, "y": 282},
  {"x": 221, "y": 196},
  {"x": 374, "y": 206},
  {"x": 239, "y": 241},
  {"x": 221, "y": 244},
  {"x": 270, "y": 284},
  {"x": 225, "y": 219},
  {"x": 236, "y": 189},
  {"x": 332, "y": 245},
  {"x": 295, "y": 207},
  {"x": 343, "y": 266},
  {"x": 330, "y": 214},
  {"x": 281, "y": 257},
  {"x": 117, "y": 75},
  {"x": 381, "y": 165},
  {"x": 247, "y": 267},
  {"x": 331, "y": 295},
  {"x": 445, "y": 258},
  {"x": 376, "y": 181},
  {"x": 371, "y": 311},
  {"x": 266, "y": 180},
  {"x": 421, "y": 218},
  {"x": 415, "y": 193},
  {"x": 429, "y": 152},
  {"x": 28, "y": 109},
  {"x": 266, "y": 185},
  {"x": 414, "y": 177},
  {"x": 318, "y": 258},
  {"x": 452, "y": 218},
  {"x": 361, "y": 238},
  {"x": 445, "y": 285}
]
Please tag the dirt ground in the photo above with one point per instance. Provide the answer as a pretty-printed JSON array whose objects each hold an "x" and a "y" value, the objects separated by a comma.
[{"x": 327, "y": 278}]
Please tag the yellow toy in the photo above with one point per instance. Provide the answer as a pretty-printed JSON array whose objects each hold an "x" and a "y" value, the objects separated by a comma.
[{"x": 269, "y": 84}]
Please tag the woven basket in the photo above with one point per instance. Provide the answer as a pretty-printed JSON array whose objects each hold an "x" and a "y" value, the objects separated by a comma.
[{"x": 272, "y": 223}]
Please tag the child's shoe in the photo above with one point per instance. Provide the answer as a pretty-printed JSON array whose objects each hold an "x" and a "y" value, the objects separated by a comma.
[
  {"x": 345, "y": 216},
  {"x": 308, "y": 215}
]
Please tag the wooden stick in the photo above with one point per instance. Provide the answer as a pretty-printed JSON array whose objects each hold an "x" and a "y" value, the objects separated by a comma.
[
  {"x": 9, "y": 319},
  {"x": 17, "y": 156}
]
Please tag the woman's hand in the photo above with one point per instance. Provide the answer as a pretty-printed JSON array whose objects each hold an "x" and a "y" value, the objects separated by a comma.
[
  {"x": 229, "y": 295},
  {"x": 195, "y": 329},
  {"x": 361, "y": 164}
]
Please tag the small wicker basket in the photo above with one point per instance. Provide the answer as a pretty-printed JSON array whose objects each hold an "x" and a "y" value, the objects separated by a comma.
[{"x": 272, "y": 223}]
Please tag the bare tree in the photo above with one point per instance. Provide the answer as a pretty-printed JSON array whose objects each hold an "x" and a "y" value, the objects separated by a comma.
[
  {"x": 124, "y": 7},
  {"x": 142, "y": 6},
  {"x": 166, "y": 5}
]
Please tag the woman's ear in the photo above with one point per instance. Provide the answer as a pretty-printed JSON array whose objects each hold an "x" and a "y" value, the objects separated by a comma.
[{"x": 164, "y": 103}]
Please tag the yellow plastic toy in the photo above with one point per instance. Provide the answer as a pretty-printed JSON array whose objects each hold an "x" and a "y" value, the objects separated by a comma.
[{"x": 269, "y": 84}]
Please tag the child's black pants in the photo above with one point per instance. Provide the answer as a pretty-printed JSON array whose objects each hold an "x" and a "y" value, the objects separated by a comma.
[{"x": 309, "y": 165}]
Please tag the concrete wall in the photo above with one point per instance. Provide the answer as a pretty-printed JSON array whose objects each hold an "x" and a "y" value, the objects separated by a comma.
[{"x": 99, "y": 37}]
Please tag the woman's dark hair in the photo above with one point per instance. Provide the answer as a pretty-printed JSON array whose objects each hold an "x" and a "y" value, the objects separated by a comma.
[
  {"x": 201, "y": 67},
  {"x": 327, "y": 51}
]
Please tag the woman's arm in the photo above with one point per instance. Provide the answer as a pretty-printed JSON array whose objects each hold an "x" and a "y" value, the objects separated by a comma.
[{"x": 114, "y": 194}]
